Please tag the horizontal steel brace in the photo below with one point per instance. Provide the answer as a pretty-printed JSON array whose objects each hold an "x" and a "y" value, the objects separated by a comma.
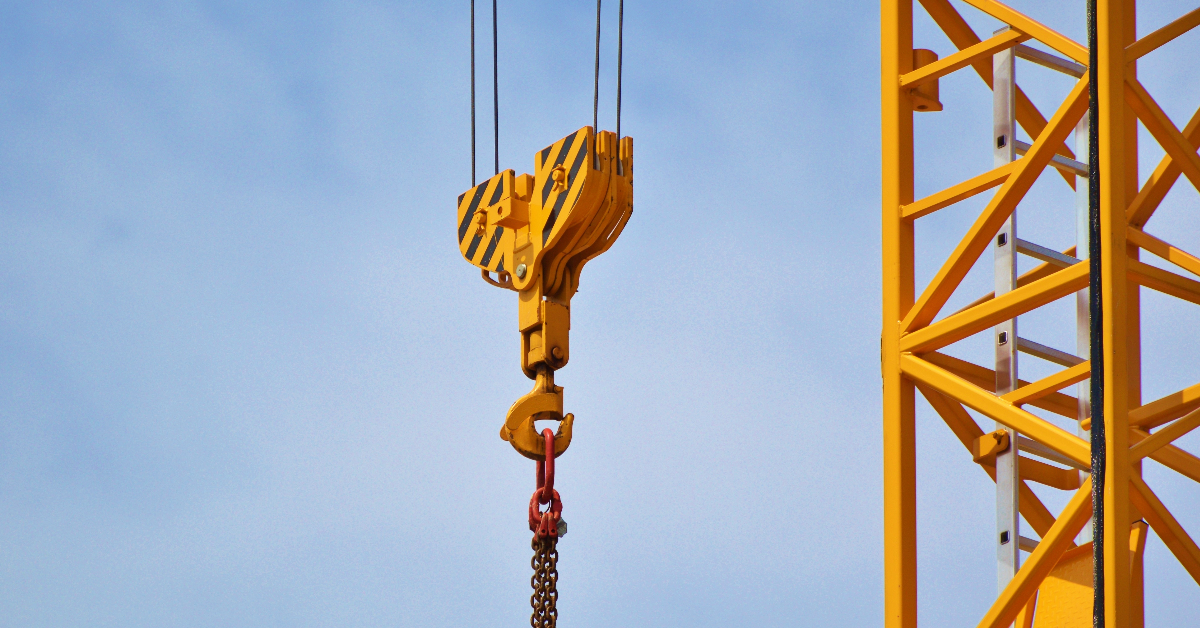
[
  {"x": 1047, "y": 60},
  {"x": 1049, "y": 354},
  {"x": 1065, "y": 164},
  {"x": 1032, "y": 447},
  {"x": 997, "y": 408},
  {"x": 1006, "y": 306},
  {"x": 1050, "y": 256}
]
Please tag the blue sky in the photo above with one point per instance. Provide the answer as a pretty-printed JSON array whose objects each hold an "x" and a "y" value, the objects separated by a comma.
[{"x": 246, "y": 378}]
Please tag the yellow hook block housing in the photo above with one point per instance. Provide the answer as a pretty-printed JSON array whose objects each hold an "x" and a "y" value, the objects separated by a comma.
[{"x": 536, "y": 233}]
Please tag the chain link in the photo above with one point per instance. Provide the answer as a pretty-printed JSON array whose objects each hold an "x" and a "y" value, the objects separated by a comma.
[{"x": 545, "y": 582}]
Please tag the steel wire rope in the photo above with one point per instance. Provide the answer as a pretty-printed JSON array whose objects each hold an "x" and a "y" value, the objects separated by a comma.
[
  {"x": 596, "y": 86},
  {"x": 1096, "y": 322},
  {"x": 472, "y": 93},
  {"x": 496, "y": 80},
  {"x": 620, "y": 55},
  {"x": 495, "y": 88}
]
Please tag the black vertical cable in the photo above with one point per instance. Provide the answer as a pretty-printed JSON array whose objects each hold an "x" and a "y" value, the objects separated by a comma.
[
  {"x": 1096, "y": 327},
  {"x": 596, "y": 90},
  {"x": 472, "y": 93},
  {"x": 620, "y": 54},
  {"x": 495, "y": 88}
]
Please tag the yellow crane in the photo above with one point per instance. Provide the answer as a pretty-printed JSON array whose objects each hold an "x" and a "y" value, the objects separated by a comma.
[
  {"x": 534, "y": 233},
  {"x": 1089, "y": 445}
]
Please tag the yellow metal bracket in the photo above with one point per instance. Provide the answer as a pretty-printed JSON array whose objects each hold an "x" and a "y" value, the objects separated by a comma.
[{"x": 985, "y": 448}]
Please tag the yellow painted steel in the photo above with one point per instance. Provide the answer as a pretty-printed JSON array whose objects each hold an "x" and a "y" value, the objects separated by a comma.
[
  {"x": 1053, "y": 586},
  {"x": 1066, "y": 594},
  {"x": 1045, "y": 386},
  {"x": 934, "y": 68},
  {"x": 899, "y": 400},
  {"x": 1151, "y": 42},
  {"x": 1067, "y": 590},
  {"x": 536, "y": 232}
]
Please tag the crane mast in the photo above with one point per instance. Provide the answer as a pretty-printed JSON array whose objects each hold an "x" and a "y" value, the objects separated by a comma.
[{"x": 1084, "y": 430}]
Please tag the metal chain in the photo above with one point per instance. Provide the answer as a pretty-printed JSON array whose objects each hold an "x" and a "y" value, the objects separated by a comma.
[{"x": 544, "y": 581}]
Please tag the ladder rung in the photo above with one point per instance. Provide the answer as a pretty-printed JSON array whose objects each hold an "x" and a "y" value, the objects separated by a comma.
[
  {"x": 1049, "y": 354},
  {"x": 1046, "y": 255},
  {"x": 1077, "y": 168},
  {"x": 1054, "y": 62}
]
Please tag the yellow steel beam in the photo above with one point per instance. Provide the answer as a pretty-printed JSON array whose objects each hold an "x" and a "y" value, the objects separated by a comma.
[
  {"x": 1137, "y": 582},
  {"x": 1151, "y": 42},
  {"x": 1164, "y": 281},
  {"x": 1114, "y": 22},
  {"x": 979, "y": 237},
  {"x": 955, "y": 416},
  {"x": 958, "y": 192},
  {"x": 1019, "y": 21},
  {"x": 1171, "y": 457},
  {"x": 1164, "y": 176},
  {"x": 1025, "y": 618},
  {"x": 1166, "y": 409},
  {"x": 899, "y": 410},
  {"x": 1165, "y": 436},
  {"x": 985, "y": 378},
  {"x": 1047, "y": 385},
  {"x": 1048, "y": 474},
  {"x": 1166, "y": 251},
  {"x": 1037, "y": 272},
  {"x": 1058, "y": 540},
  {"x": 1004, "y": 307},
  {"x": 1132, "y": 304},
  {"x": 1002, "y": 411},
  {"x": 967, "y": 430},
  {"x": 1160, "y": 126},
  {"x": 960, "y": 33},
  {"x": 1165, "y": 525},
  {"x": 962, "y": 59}
]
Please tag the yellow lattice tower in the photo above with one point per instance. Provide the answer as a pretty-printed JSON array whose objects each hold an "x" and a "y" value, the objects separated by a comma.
[{"x": 1043, "y": 434}]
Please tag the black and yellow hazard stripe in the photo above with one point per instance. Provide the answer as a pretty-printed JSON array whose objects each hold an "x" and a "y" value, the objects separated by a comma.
[
  {"x": 572, "y": 153},
  {"x": 471, "y": 213}
]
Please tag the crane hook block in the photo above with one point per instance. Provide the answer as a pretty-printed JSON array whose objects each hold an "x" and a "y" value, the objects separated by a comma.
[
  {"x": 536, "y": 232},
  {"x": 543, "y": 228}
]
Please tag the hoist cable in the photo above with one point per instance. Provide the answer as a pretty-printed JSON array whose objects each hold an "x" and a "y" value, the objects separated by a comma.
[
  {"x": 620, "y": 54},
  {"x": 472, "y": 93},
  {"x": 596, "y": 88},
  {"x": 495, "y": 88},
  {"x": 1096, "y": 322}
]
